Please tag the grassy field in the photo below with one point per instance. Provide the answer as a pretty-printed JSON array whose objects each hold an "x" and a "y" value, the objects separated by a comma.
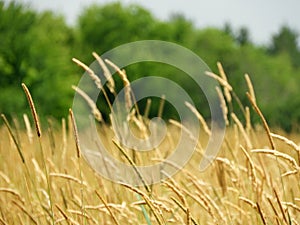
[{"x": 254, "y": 179}]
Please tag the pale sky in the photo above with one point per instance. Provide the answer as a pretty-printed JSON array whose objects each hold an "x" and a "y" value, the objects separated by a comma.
[{"x": 261, "y": 17}]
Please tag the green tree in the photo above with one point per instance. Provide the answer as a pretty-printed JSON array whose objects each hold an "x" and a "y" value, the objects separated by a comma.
[
  {"x": 35, "y": 49},
  {"x": 15, "y": 24},
  {"x": 243, "y": 36},
  {"x": 50, "y": 69},
  {"x": 286, "y": 42},
  {"x": 102, "y": 27}
]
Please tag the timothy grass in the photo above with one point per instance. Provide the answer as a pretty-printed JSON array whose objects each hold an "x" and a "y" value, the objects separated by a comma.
[{"x": 254, "y": 179}]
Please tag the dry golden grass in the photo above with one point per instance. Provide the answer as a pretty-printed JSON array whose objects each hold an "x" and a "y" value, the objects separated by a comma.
[{"x": 254, "y": 179}]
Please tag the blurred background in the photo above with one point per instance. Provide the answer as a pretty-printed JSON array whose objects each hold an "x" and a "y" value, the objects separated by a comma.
[{"x": 38, "y": 39}]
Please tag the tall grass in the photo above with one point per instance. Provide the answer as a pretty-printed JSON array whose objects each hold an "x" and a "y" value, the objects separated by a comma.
[{"x": 254, "y": 179}]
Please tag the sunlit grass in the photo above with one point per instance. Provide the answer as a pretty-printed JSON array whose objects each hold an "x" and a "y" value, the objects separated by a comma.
[{"x": 248, "y": 183}]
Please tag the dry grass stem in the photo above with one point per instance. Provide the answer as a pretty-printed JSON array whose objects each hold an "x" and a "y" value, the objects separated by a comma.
[
  {"x": 68, "y": 177},
  {"x": 23, "y": 209},
  {"x": 280, "y": 205},
  {"x": 108, "y": 208},
  {"x": 157, "y": 215},
  {"x": 200, "y": 118},
  {"x": 261, "y": 214},
  {"x": 224, "y": 77},
  {"x": 28, "y": 128},
  {"x": 242, "y": 130},
  {"x": 250, "y": 88},
  {"x": 223, "y": 105},
  {"x": 95, "y": 111},
  {"x": 132, "y": 164},
  {"x": 106, "y": 72},
  {"x": 265, "y": 124},
  {"x": 33, "y": 110},
  {"x": 92, "y": 74},
  {"x": 278, "y": 154},
  {"x": 248, "y": 120},
  {"x": 13, "y": 192},
  {"x": 126, "y": 83},
  {"x": 75, "y": 132},
  {"x": 223, "y": 82},
  {"x": 252, "y": 166},
  {"x": 13, "y": 137}
]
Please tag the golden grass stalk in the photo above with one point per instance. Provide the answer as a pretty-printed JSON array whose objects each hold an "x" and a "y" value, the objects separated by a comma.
[
  {"x": 250, "y": 88},
  {"x": 75, "y": 132},
  {"x": 248, "y": 120},
  {"x": 280, "y": 205},
  {"x": 131, "y": 162},
  {"x": 236, "y": 207},
  {"x": 23, "y": 209},
  {"x": 248, "y": 201},
  {"x": 64, "y": 137},
  {"x": 223, "y": 105},
  {"x": 13, "y": 137},
  {"x": 5, "y": 177},
  {"x": 108, "y": 208},
  {"x": 273, "y": 208},
  {"x": 13, "y": 192},
  {"x": 126, "y": 83},
  {"x": 3, "y": 222},
  {"x": 159, "y": 218},
  {"x": 68, "y": 177},
  {"x": 292, "y": 205},
  {"x": 92, "y": 74},
  {"x": 203, "y": 203},
  {"x": 186, "y": 210},
  {"x": 79, "y": 213},
  {"x": 51, "y": 135},
  {"x": 242, "y": 130},
  {"x": 181, "y": 126},
  {"x": 28, "y": 128},
  {"x": 33, "y": 110},
  {"x": 265, "y": 124},
  {"x": 95, "y": 78},
  {"x": 224, "y": 77},
  {"x": 39, "y": 133},
  {"x": 261, "y": 213},
  {"x": 223, "y": 82},
  {"x": 95, "y": 111},
  {"x": 174, "y": 187},
  {"x": 252, "y": 167},
  {"x": 16, "y": 125},
  {"x": 221, "y": 176},
  {"x": 278, "y": 154},
  {"x": 289, "y": 143},
  {"x": 200, "y": 118},
  {"x": 67, "y": 218},
  {"x": 106, "y": 72},
  {"x": 288, "y": 173}
]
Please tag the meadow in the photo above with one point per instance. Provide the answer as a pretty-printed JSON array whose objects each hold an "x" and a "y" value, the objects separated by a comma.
[{"x": 44, "y": 178}]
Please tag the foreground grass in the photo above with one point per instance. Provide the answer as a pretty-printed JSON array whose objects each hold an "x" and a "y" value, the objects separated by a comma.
[
  {"x": 240, "y": 187},
  {"x": 254, "y": 180}
]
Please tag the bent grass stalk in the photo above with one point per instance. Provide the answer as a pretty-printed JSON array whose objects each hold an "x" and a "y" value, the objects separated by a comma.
[
  {"x": 95, "y": 111},
  {"x": 95, "y": 78},
  {"x": 39, "y": 133},
  {"x": 108, "y": 208},
  {"x": 107, "y": 74}
]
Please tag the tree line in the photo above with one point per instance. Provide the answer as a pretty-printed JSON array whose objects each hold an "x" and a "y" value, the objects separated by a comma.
[{"x": 37, "y": 47}]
